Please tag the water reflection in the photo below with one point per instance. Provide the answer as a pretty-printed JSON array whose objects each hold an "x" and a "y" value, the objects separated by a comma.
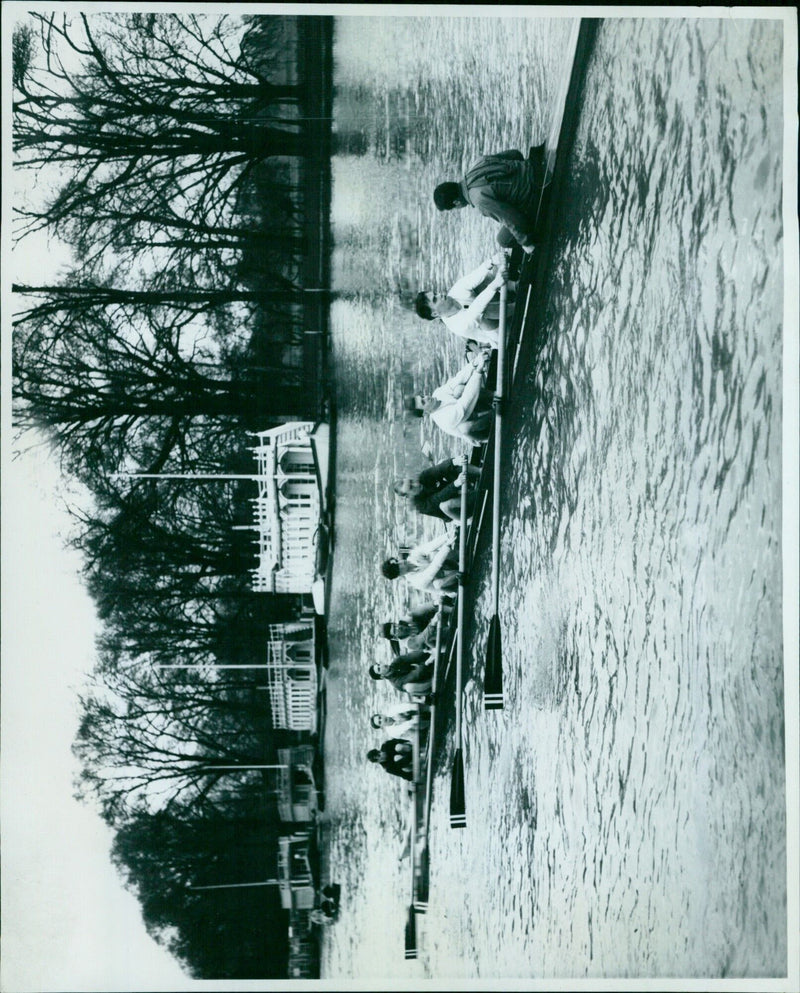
[{"x": 625, "y": 811}]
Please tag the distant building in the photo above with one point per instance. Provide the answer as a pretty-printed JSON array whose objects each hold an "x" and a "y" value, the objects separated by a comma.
[
  {"x": 303, "y": 952},
  {"x": 295, "y": 881},
  {"x": 292, "y": 675},
  {"x": 288, "y": 509},
  {"x": 297, "y": 791}
]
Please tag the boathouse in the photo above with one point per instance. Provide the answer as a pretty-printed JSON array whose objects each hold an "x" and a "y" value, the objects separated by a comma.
[
  {"x": 296, "y": 788},
  {"x": 303, "y": 953},
  {"x": 292, "y": 675},
  {"x": 295, "y": 880},
  {"x": 288, "y": 509}
]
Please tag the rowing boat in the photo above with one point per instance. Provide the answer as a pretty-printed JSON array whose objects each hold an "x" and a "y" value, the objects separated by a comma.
[
  {"x": 513, "y": 348},
  {"x": 517, "y": 336}
]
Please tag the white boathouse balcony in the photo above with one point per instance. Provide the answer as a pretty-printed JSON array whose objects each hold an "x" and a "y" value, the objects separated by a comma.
[
  {"x": 292, "y": 675},
  {"x": 287, "y": 510}
]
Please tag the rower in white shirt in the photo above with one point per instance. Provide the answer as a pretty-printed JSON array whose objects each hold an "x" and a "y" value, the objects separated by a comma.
[
  {"x": 401, "y": 720},
  {"x": 461, "y": 407},
  {"x": 466, "y": 310},
  {"x": 430, "y": 568}
]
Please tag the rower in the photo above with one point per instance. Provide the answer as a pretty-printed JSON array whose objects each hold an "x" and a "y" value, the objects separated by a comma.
[
  {"x": 505, "y": 187},
  {"x": 461, "y": 406},
  {"x": 429, "y": 568},
  {"x": 469, "y": 309},
  {"x": 433, "y": 491},
  {"x": 402, "y": 720},
  {"x": 415, "y": 631},
  {"x": 410, "y": 673}
]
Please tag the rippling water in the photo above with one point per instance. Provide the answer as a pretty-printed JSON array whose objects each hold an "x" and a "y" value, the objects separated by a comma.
[{"x": 626, "y": 811}]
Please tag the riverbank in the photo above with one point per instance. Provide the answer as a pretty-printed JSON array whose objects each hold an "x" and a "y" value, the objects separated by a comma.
[{"x": 315, "y": 67}]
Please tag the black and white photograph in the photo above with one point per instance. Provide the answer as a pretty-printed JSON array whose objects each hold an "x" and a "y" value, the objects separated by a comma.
[{"x": 400, "y": 497}]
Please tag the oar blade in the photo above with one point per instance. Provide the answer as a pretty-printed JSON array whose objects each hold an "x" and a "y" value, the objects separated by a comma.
[
  {"x": 493, "y": 674},
  {"x": 458, "y": 805},
  {"x": 423, "y": 882},
  {"x": 411, "y": 934}
]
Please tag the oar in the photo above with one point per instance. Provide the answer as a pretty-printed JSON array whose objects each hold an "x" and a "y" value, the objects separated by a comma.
[
  {"x": 423, "y": 884},
  {"x": 521, "y": 334},
  {"x": 493, "y": 676},
  {"x": 411, "y": 934},
  {"x": 411, "y": 925},
  {"x": 458, "y": 808},
  {"x": 423, "y": 881}
]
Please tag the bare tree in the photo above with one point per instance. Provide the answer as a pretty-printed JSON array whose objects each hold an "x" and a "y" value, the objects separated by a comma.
[
  {"x": 130, "y": 384},
  {"x": 157, "y": 102},
  {"x": 72, "y": 299},
  {"x": 155, "y": 738}
]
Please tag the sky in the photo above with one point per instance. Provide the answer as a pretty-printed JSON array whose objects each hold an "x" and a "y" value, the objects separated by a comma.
[
  {"x": 67, "y": 921},
  {"x": 65, "y": 913}
]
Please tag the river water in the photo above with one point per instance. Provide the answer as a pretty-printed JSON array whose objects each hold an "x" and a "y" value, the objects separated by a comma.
[{"x": 626, "y": 810}]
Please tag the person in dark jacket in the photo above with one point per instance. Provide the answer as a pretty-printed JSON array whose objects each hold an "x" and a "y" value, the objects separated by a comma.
[
  {"x": 396, "y": 756},
  {"x": 410, "y": 672},
  {"x": 505, "y": 187},
  {"x": 417, "y": 630},
  {"x": 434, "y": 491}
]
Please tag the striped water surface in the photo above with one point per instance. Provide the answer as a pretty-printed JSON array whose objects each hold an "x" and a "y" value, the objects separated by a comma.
[{"x": 626, "y": 811}]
